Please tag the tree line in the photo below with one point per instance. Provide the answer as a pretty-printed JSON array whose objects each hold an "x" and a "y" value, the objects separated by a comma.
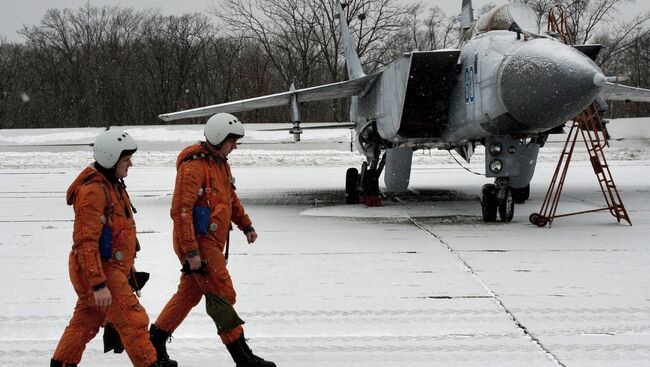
[{"x": 100, "y": 66}]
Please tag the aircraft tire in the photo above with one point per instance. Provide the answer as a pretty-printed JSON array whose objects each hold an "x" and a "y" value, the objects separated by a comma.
[
  {"x": 520, "y": 195},
  {"x": 489, "y": 203},
  {"x": 351, "y": 184},
  {"x": 507, "y": 207}
]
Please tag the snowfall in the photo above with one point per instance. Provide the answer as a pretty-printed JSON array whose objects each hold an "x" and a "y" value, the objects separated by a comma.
[{"x": 420, "y": 281}]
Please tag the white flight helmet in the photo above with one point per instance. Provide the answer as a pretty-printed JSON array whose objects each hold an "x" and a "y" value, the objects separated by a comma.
[
  {"x": 221, "y": 125},
  {"x": 111, "y": 145}
]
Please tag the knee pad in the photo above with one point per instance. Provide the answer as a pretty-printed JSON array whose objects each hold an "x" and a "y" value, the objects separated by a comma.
[{"x": 222, "y": 313}]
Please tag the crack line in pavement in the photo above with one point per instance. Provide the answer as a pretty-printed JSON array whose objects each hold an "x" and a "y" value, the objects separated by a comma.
[{"x": 469, "y": 268}]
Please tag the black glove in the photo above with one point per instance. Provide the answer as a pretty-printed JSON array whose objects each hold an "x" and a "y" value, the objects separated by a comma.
[
  {"x": 138, "y": 279},
  {"x": 112, "y": 340},
  {"x": 201, "y": 271}
]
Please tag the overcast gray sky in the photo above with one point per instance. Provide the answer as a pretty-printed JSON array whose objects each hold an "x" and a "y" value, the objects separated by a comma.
[{"x": 16, "y": 13}]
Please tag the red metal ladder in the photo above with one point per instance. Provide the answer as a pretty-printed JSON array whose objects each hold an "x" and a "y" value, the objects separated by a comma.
[
  {"x": 557, "y": 23},
  {"x": 590, "y": 125}
]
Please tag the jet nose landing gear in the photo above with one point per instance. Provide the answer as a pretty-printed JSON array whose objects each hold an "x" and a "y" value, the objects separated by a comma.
[
  {"x": 511, "y": 161},
  {"x": 497, "y": 197}
]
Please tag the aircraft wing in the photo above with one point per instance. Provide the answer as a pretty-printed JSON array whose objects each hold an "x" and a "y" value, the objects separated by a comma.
[
  {"x": 322, "y": 92},
  {"x": 619, "y": 92}
]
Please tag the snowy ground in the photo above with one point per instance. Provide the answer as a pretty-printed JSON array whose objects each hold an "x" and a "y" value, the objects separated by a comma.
[{"x": 420, "y": 281}]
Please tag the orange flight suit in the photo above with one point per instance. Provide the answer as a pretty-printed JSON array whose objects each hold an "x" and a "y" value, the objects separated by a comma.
[
  {"x": 194, "y": 167},
  {"x": 88, "y": 195}
]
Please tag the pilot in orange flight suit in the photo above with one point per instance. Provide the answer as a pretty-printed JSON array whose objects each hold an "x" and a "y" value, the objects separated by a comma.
[
  {"x": 102, "y": 257},
  {"x": 203, "y": 206}
]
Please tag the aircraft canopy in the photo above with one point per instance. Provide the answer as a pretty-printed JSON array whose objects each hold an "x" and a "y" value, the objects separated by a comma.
[{"x": 502, "y": 17}]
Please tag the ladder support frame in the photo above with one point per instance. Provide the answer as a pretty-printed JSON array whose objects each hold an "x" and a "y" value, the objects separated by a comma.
[{"x": 590, "y": 127}]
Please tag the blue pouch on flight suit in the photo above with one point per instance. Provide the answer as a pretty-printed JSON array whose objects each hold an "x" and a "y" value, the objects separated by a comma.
[
  {"x": 106, "y": 243},
  {"x": 201, "y": 219}
]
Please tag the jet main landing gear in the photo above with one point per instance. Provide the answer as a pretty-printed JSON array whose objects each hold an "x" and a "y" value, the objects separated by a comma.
[{"x": 363, "y": 186}]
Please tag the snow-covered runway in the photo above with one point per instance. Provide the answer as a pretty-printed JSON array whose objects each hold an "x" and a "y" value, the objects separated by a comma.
[{"x": 420, "y": 281}]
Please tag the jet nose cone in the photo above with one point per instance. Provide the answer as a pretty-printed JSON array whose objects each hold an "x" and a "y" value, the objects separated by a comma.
[{"x": 546, "y": 83}]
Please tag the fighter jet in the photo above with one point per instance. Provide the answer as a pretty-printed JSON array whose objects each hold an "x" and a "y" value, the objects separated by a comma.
[{"x": 507, "y": 86}]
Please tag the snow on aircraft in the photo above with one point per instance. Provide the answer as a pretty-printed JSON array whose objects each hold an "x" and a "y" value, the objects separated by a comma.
[{"x": 507, "y": 87}]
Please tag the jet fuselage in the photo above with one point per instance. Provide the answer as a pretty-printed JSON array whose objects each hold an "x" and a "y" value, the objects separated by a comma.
[{"x": 498, "y": 84}]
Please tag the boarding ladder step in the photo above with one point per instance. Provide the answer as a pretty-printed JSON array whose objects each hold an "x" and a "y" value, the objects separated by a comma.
[{"x": 591, "y": 128}]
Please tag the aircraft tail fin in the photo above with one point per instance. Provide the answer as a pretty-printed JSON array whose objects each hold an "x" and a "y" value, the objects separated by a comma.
[
  {"x": 351, "y": 57},
  {"x": 466, "y": 15}
]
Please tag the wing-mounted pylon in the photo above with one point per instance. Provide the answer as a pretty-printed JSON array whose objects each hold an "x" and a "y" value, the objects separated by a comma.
[{"x": 295, "y": 115}]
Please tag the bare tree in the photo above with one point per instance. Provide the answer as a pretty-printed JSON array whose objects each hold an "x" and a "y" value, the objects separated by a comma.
[
  {"x": 621, "y": 36},
  {"x": 541, "y": 8},
  {"x": 12, "y": 98},
  {"x": 305, "y": 32},
  {"x": 626, "y": 54},
  {"x": 434, "y": 31},
  {"x": 301, "y": 41},
  {"x": 585, "y": 17},
  {"x": 171, "y": 47},
  {"x": 283, "y": 28},
  {"x": 82, "y": 60}
]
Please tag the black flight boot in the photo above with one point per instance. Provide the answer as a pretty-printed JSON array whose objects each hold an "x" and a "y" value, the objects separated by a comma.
[
  {"x": 55, "y": 363},
  {"x": 244, "y": 357},
  {"x": 159, "y": 340},
  {"x": 160, "y": 364}
]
